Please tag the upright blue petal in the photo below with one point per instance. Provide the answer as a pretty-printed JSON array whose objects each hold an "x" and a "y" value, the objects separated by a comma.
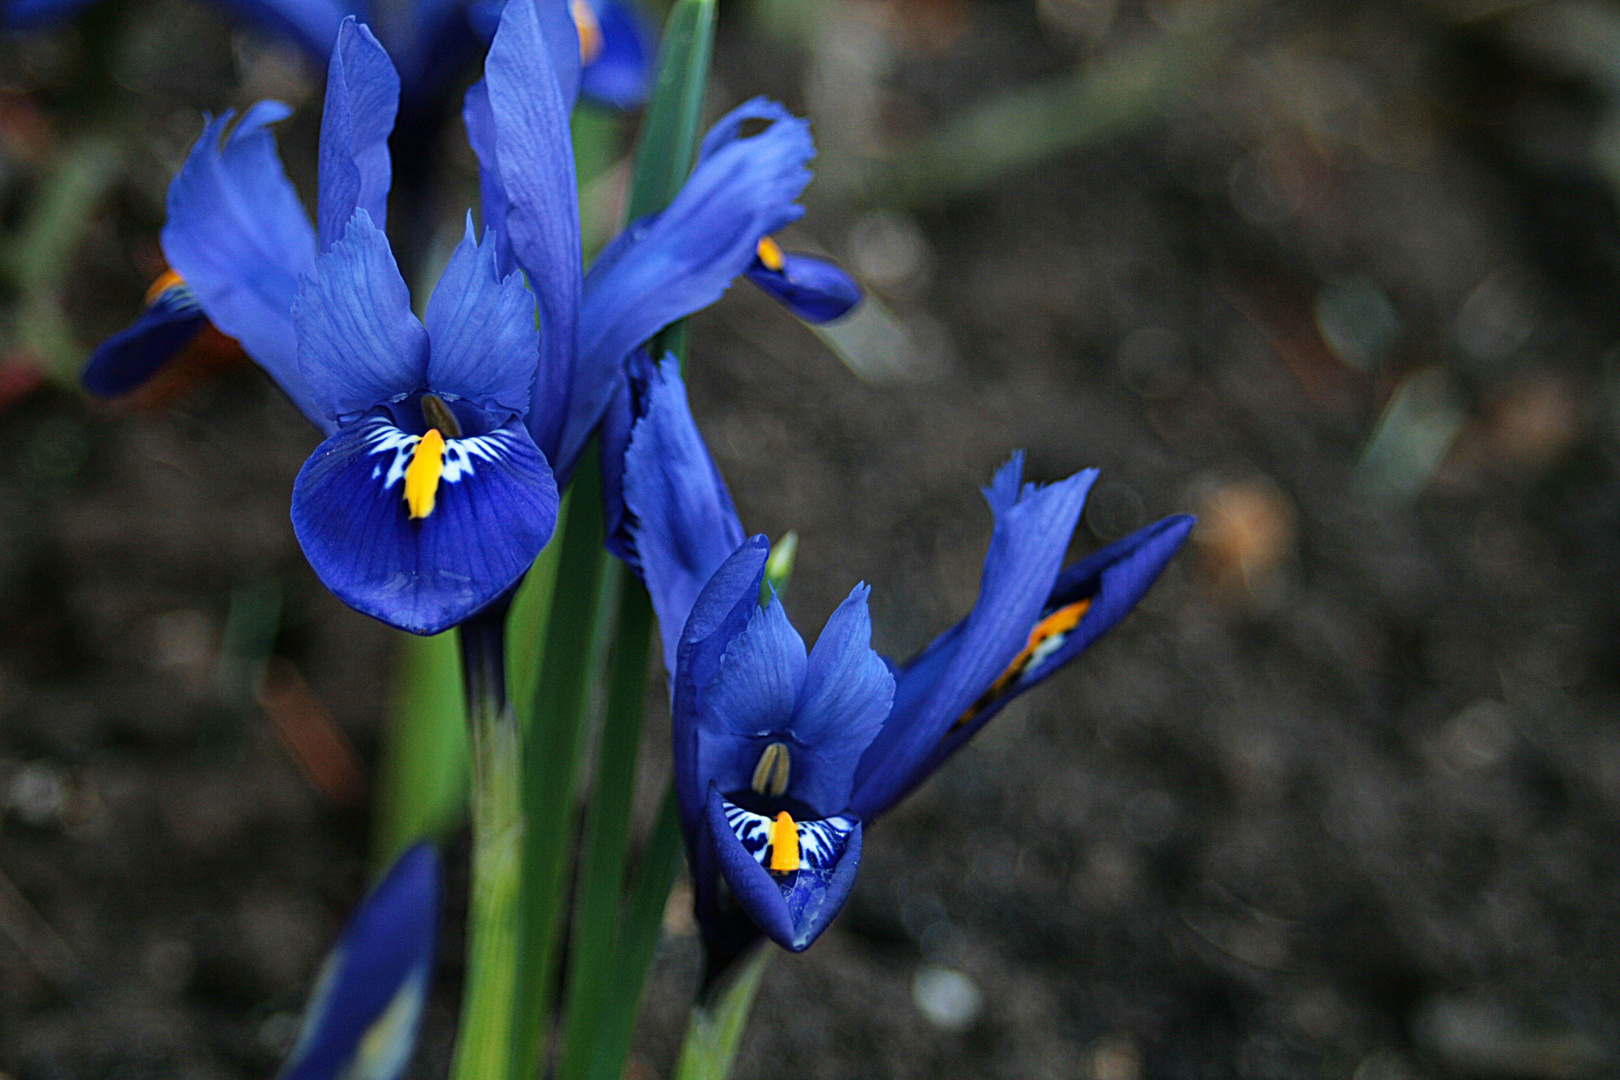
[
  {"x": 485, "y": 345},
  {"x": 750, "y": 698},
  {"x": 620, "y": 73},
  {"x": 239, "y": 237},
  {"x": 535, "y": 162},
  {"x": 682, "y": 517},
  {"x": 363, "y": 1018},
  {"x": 664, "y": 267},
  {"x": 1032, "y": 531},
  {"x": 559, "y": 23},
  {"x": 479, "y": 118},
  {"x": 494, "y": 509},
  {"x": 1109, "y": 583},
  {"x": 847, "y": 694},
  {"x": 362, "y": 97},
  {"x": 124, "y": 362},
  {"x": 815, "y": 290},
  {"x": 358, "y": 343},
  {"x": 719, "y": 614},
  {"x": 628, "y": 406}
]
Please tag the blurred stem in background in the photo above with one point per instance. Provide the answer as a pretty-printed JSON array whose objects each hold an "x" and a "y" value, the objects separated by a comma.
[{"x": 715, "y": 1027}]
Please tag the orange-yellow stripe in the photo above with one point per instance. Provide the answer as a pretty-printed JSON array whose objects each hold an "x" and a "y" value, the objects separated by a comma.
[
  {"x": 1061, "y": 621},
  {"x": 784, "y": 844},
  {"x": 166, "y": 281},
  {"x": 770, "y": 254},
  {"x": 590, "y": 31},
  {"x": 422, "y": 475}
]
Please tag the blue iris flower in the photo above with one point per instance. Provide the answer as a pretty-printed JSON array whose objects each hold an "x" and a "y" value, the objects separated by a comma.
[
  {"x": 775, "y": 773},
  {"x": 447, "y": 438},
  {"x": 429, "y": 497},
  {"x": 366, "y": 1008}
]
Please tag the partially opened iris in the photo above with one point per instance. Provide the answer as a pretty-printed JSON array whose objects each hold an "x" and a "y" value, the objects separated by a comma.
[
  {"x": 782, "y": 761},
  {"x": 768, "y": 738}
]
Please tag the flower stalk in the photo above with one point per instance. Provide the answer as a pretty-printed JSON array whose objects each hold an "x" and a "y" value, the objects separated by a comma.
[{"x": 483, "y": 1046}]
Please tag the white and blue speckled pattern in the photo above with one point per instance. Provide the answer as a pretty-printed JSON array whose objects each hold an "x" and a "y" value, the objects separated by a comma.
[
  {"x": 820, "y": 842},
  {"x": 382, "y": 437}
]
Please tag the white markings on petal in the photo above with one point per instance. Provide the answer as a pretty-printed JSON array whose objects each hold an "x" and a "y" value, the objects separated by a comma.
[
  {"x": 461, "y": 455},
  {"x": 821, "y": 842}
]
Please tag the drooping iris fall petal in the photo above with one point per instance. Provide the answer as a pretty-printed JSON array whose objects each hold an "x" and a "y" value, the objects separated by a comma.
[{"x": 364, "y": 1014}]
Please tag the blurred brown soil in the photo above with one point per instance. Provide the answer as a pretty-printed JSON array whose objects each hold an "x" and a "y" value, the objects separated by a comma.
[{"x": 1341, "y": 800}]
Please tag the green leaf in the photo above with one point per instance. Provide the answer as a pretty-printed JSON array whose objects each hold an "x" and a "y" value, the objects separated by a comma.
[
  {"x": 422, "y": 784},
  {"x": 495, "y": 900},
  {"x": 526, "y": 625},
  {"x": 576, "y": 637},
  {"x": 595, "y": 978},
  {"x": 669, "y": 132},
  {"x": 713, "y": 1031},
  {"x": 638, "y": 937}
]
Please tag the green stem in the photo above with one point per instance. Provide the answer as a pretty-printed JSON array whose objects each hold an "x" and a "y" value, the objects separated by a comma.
[
  {"x": 495, "y": 904},
  {"x": 638, "y": 937},
  {"x": 576, "y": 637},
  {"x": 593, "y": 977},
  {"x": 716, "y": 1026}
]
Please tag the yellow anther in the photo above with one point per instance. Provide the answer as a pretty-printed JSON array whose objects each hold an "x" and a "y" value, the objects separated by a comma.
[
  {"x": 769, "y": 254},
  {"x": 771, "y": 774},
  {"x": 1047, "y": 637},
  {"x": 422, "y": 474},
  {"x": 166, "y": 281},
  {"x": 784, "y": 844},
  {"x": 590, "y": 31}
]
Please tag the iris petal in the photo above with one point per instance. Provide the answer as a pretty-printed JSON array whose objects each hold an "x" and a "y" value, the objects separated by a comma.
[
  {"x": 535, "y": 161},
  {"x": 684, "y": 523},
  {"x": 239, "y": 237},
  {"x": 1114, "y": 580},
  {"x": 358, "y": 343},
  {"x": 482, "y": 330},
  {"x": 479, "y": 118},
  {"x": 720, "y": 612},
  {"x": 815, "y": 290},
  {"x": 130, "y": 357},
  {"x": 757, "y": 684},
  {"x": 362, "y": 96},
  {"x": 621, "y": 74},
  {"x": 846, "y": 695},
  {"x": 363, "y": 1018},
  {"x": 494, "y": 510},
  {"x": 664, "y": 267},
  {"x": 792, "y": 908},
  {"x": 1032, "y": 530}
]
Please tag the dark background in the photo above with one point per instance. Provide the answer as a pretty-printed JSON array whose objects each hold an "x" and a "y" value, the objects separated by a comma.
[{"x": 1341, "y": 800}]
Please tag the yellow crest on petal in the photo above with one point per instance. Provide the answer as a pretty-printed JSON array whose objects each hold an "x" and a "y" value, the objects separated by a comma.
[
  {"x": 422, "y": 475},
  {"x": 590, "y": 31},
  {"x": 784, "y": 844},
  {"x": 770, "y": 253}
]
